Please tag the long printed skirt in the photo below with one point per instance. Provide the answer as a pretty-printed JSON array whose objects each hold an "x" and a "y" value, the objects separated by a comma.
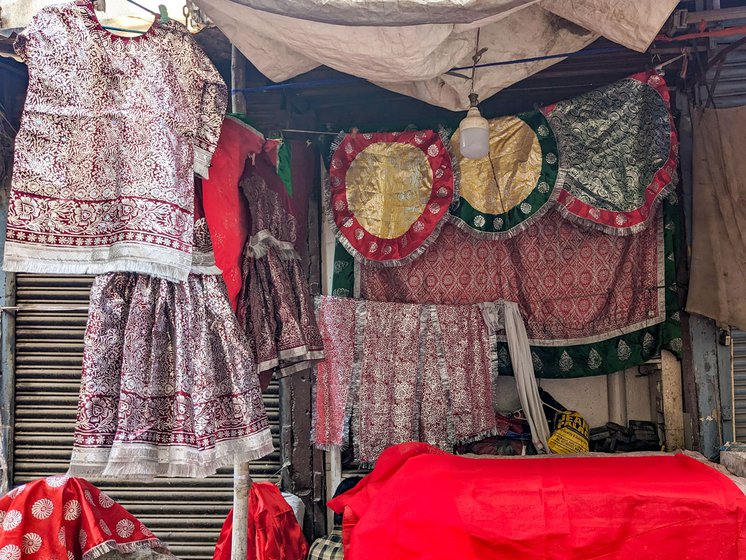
[{"x": 169, "y": 385}]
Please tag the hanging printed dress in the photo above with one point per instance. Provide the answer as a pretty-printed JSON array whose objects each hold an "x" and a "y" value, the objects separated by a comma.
[
  {"x": 169, "y": 385},
  {"x": 70, "y": 519},
  {"x": 275, "y": 307},
  {"x": 112, "y": 130}
]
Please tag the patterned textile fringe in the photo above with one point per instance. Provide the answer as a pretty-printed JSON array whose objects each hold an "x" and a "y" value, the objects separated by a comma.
[
  {"x": 139, "y": 466},
  {"x": 516, "y": 229},
  {"x": 429, "y": 325},
  {"x": 16, "y": 263},
  {"x": 123, "y": 548},
  {"x": 442, "y": 370},
  {"x": 329, "y": 212},
  {"x": 351, "y": 412},
  {"x": 665, "y": 192}
]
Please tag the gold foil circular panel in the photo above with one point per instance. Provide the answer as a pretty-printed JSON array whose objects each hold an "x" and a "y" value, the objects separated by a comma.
[
  {"x": 515, "y": 156},
  {"x": 388, "y": 186}
]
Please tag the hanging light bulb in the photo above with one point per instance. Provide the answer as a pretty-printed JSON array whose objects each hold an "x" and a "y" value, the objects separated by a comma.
[{"x": 474, "y": 132}]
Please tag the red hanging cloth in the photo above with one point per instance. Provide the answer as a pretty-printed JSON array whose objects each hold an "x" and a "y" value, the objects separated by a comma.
[{"x": 274, "y": 532}]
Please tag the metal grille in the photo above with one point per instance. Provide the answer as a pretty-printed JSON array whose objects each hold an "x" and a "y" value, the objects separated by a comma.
[
  {"x": 186, "y": 513},
  {"x": 738, "y": 340}
]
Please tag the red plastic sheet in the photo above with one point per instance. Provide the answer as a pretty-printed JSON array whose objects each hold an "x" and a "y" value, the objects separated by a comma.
[{"x": 423, "y": 503}]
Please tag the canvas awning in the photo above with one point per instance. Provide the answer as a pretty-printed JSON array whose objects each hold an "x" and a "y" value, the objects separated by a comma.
[{"x": 408, "y": 46}]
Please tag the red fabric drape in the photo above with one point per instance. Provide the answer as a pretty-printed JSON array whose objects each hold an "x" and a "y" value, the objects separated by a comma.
[
  {"x": 274, "y": 533},
  {"x": 422, "y": 503},
  {"x": 225, "y": 207},
  {"x": 69, "y": 518}
]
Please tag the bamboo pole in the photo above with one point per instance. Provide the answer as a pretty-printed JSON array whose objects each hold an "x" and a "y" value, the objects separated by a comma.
[{"x": 241, "y": 475}]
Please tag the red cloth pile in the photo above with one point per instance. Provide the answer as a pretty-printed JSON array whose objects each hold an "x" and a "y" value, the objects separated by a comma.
[
  {"x": 420, "y": 502},
  {"x": 274, "y": 533},
  {"x": 69, "y": 518}
]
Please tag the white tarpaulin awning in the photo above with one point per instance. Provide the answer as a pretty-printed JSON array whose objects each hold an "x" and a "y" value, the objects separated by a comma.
[{"x": 407, "y": 46}]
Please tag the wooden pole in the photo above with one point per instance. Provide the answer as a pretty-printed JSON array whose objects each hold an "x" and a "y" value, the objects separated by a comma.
[
  {"x": 241, "y": 476},
  {"x": 673, "y": 411},
  {"x": 241, "y": 488}
]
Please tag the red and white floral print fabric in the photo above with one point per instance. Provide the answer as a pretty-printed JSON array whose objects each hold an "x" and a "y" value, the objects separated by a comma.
[
  {"x": 62, "y": 518},
  {"x": 111, "y": 133},
  {"x": 169, "y": 385}
]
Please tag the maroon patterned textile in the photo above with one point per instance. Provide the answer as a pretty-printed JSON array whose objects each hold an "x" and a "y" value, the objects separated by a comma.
[
  {"x": 275, "y": 308},
  {"x": 336, "y": 319},
  {"x": 112, "y": 131},
  {"x": 402, "y": 372},
  {"x": 385, "y": 409},
  {"x": 462, "y": 339},
  {"x": 168, "y": 385},
  {"x": 573, "y": 284}
]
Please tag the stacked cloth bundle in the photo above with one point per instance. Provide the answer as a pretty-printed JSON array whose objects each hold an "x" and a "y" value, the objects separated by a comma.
[
  {"x": 69, "y": 518},
  {"x": 408, "y": 372}
]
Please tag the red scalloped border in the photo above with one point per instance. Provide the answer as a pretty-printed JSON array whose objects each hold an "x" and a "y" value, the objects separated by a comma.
[
  {"x": 366, "y": 244},
  {"x": 662, "y": 178}
]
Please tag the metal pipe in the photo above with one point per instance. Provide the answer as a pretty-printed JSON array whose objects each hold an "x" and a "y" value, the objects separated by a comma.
[
  {"x": 724, "y": 14},
  {"x": 38, "y": 307},
  {"x": 617, "y": 395}
]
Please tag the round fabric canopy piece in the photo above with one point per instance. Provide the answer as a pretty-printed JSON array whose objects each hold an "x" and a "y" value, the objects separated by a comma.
[
  {"x": 389, "y": 192},
  {"x": 619, "y": 153},
  {"x": 502, "y": 193}
]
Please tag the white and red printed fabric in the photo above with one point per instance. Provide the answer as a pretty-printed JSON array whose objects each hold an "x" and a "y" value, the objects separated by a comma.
[
  {"x": 169, "y": 384},
  {"x": 62, "y": 518},
  {"x": 112, "y": 130}
]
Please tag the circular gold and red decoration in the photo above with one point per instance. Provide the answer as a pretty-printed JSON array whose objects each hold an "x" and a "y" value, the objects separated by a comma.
[{"x": 389, "y": 193}]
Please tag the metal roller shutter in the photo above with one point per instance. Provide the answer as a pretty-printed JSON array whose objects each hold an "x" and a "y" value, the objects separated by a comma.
[
  {"x": 738, "y": 342},
  {"x": 186, "y": 513}
]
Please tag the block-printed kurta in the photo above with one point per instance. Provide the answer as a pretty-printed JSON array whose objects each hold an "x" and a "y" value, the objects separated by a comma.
[{"x": 112, "y": 130}]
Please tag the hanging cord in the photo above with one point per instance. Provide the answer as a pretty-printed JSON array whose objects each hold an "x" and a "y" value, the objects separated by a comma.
[
  {"x": 143, "y": 7},
  {"x": 90, "y": 5}
]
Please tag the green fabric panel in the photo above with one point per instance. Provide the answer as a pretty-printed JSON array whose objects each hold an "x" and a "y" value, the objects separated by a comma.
[
  {"x": 283, "y": 166},
  {"x": 343, "y": 280}
]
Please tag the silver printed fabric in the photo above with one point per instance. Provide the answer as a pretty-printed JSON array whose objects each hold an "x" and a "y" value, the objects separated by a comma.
[
  {"x": 169, "y": 386},
  {"x": 413, "y": 372}
]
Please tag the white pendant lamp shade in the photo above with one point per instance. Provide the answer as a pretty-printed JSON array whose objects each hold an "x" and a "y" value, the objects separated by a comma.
[{"x": 474, "y": 132}]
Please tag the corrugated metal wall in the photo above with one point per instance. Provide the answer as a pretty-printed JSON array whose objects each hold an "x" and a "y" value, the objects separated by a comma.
[{"x": 187, "y": 514}]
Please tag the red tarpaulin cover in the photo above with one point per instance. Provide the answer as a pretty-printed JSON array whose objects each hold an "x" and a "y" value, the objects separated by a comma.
[{"x": 422, "y": 503}]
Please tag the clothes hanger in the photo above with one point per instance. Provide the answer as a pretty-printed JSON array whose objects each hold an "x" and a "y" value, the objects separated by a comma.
[{"x": 161, "y": 15}]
